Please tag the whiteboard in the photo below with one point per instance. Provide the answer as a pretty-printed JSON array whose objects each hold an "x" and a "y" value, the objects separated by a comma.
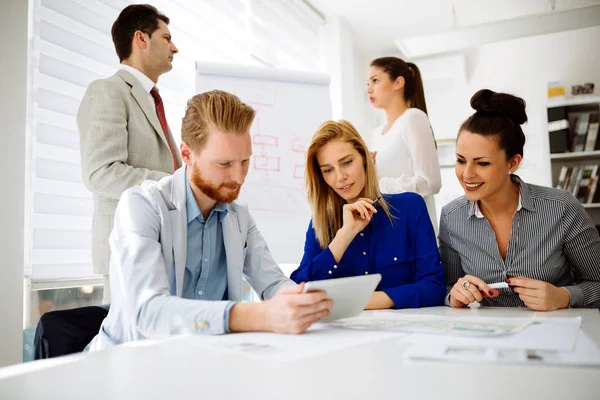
[{"x": 290, "y": 106}]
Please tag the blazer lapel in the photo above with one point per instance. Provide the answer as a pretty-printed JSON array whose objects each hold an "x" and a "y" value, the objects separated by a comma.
[
  {"x": 234, "y": 255},
  {"x": 232, "y": 240},
  {"x": 179, "y": 221},
  {"x": 141, "y": 97}
]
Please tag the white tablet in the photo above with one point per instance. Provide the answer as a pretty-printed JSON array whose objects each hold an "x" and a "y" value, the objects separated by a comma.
[{"x": 349, "y": 295}]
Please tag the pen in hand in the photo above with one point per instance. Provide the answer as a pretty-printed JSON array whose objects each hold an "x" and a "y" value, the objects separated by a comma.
[{"x": 373, "y": 203}]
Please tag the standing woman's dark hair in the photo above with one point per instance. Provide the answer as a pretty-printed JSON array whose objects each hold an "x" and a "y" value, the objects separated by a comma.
[
  {"x": 413, "y": 84},
  {"x": 498, "y": 114}
]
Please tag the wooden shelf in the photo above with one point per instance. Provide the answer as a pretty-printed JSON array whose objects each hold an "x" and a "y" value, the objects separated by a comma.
[
  {"x": 591, "y": 205},
  {"x": 573, "y": 101},
  {"x": 575, "y": 155}
]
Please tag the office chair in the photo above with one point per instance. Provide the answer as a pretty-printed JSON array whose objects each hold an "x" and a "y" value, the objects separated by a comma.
[{"x": 63, "y": 332}]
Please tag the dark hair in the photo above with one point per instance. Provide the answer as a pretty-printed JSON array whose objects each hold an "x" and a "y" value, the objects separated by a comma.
[
  {"x": 413, "y": 85},
  {"x": 499, "y": 114},
  {"x": 136, "y": 17}
]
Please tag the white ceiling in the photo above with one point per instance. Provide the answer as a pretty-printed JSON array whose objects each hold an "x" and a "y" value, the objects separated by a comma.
[{"x": 378, "y": 24}]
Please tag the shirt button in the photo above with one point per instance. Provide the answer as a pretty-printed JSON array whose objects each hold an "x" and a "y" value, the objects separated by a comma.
[
  {"x": 206, "y": 260},
  {"x": 335, "y": 267},
  {"x": 366, "y": 272},
  {"x": 395, "y": 258},
  {"x": 364, "y": 253},
  {"x": 362, "y": 234},
  {"x": 329, "y": 272},
  {"x": 200, "y": 292},
  {"x": 200, "y": 325}
]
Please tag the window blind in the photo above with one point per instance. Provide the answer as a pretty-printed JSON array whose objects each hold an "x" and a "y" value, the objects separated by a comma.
[{"x": 71, "y": 46}]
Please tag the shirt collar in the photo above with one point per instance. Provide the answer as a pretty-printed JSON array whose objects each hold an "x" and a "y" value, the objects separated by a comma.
[
  {"x": 524, "y": 199},
  {"x": 193, "y": 211},
  {"x": 146, "y": 82}
]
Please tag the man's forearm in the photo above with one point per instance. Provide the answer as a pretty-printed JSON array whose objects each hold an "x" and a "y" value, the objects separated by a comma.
[{"x": 248, "y": 317}]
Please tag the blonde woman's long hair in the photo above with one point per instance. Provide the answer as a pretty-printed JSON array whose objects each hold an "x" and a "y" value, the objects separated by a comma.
[{"x": 325, "y": 203}]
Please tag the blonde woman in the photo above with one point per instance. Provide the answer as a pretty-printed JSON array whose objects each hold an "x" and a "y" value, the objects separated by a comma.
[
  {"x": 404, "y": 148},
  {"x": 350, "y": 235}
]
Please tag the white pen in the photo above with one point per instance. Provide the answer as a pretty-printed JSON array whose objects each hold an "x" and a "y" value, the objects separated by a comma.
[{"x": 499, "y": 285}]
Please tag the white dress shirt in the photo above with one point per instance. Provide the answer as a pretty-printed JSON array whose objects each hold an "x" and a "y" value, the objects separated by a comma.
[
  {"x": 146, "y": 82},
  {"x": 407, "y": 159}
]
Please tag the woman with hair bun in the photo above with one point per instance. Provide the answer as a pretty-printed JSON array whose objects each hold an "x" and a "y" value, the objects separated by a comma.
[{"x": 538, "y": 240}]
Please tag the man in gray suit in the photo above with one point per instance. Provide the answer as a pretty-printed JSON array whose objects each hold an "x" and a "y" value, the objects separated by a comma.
[
  {"x": 124, "y": 136},
  {"x": 182, "y": 245}
]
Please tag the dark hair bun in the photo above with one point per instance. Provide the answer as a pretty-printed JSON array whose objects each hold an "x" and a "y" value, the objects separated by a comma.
[{"x": 504, "y": 104}]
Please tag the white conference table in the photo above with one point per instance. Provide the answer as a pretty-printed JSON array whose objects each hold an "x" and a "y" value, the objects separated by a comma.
[{"x": 174, "y": 369}]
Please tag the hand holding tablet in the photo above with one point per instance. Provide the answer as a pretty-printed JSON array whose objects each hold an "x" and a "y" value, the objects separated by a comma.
[{"x": 349, "y": 295}]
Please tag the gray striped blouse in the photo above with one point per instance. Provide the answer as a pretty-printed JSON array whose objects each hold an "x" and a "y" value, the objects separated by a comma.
[{"x": 552, "y": 240}]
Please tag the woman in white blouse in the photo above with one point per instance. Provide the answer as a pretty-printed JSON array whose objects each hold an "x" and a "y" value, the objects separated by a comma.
[{"x": 404, "y": 148}]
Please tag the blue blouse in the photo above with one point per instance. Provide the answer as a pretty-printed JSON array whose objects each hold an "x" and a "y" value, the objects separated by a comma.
[{"x": 404, "y": 252}]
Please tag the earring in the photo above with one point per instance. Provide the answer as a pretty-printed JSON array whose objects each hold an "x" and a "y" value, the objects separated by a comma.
[{"x": 509, "y": 172}]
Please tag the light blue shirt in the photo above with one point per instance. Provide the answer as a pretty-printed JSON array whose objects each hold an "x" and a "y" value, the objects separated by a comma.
[{"x": 205, "y": 275}]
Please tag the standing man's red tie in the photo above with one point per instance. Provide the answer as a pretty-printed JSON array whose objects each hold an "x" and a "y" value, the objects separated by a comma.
[{"x": 160, "y": 111}]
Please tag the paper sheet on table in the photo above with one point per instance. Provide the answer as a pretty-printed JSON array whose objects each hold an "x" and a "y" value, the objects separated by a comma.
[
  {"x": 558, "y": 334},
  {"x": 585, "y": 354},
  {"x": 434, "y": 324},
  {"x": 319, "y": 339}
]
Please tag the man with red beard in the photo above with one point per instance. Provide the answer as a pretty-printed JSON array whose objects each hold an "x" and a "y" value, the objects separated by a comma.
[{"x": 180, "y": 246}]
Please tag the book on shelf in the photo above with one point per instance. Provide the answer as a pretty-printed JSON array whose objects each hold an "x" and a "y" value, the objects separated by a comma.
[
  {"x": 581, "y": 182},
  {"x": 558, "y": 130},
  {"x": 580, "y": 125},
  {"x": 562, "y": 177},
  {"x": 573, "y": 179},
  {"x": 592, "y": 143},
  {"x": 584, "y": 183},
  {"x": 573, "y": 128}
]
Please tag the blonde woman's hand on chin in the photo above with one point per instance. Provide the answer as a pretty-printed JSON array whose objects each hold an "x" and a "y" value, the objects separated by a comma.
[
  {"x": 357, "y": 215},
  {"x": 470, "y": 289}
]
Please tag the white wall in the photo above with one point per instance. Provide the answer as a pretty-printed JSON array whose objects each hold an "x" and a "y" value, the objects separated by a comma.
[
  {"x": 348, "y": 75},
  {"x": 524, "y": 67},
  {"x": 13, "y": 97}
]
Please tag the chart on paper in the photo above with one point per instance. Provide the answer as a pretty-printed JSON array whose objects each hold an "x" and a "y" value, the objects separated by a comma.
[
  {"x": 431, "y": 324},
  {"x": 320, "y": 339}
]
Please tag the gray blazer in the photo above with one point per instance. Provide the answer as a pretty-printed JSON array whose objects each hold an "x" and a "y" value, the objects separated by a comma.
[
  {"x": 147, "y": 266},
  {"x": 122, "y": 144}
]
